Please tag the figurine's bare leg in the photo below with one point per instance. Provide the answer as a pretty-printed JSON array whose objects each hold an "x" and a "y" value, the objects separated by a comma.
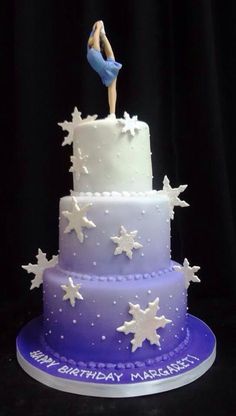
[
  {"x": 112, "y": 95},
  {"x": 107, "y": 47}
]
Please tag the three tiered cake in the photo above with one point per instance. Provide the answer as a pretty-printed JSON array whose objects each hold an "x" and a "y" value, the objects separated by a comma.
[{"x": 115, "y": 319}]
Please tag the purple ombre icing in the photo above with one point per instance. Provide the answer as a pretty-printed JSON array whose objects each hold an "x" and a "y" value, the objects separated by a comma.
[
  {"x": 109, "y": 280},
  {"x": 115, "y": 321}
]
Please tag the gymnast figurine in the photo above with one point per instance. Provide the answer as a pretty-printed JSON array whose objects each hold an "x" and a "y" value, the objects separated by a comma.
[{"x": 107, "y": 68}]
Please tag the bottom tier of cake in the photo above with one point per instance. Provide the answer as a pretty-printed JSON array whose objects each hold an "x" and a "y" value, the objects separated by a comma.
[
  {"x": 114, "y": 320},
  {"x": 133, "y": 379}
]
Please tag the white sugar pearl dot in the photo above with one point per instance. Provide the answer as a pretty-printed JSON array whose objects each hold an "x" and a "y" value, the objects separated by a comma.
[
  {"x": 62, "y": 337},
  {"x": 74, "y": 254},
  {"x": 136, "y": 296},
  {"x": 114, "y": 302},
  {"x": 177, "y": 309},
  {"x": 74, "y": 321},
  {"x": 103, "y": 337},
  {"x": 92, "y": 324},
  {"x": 98, "y": 315},
  {"x": 149, "y": 291},
  {"x": 52, "y": 312},
  {"x": 142, "y": 254},
  {"x": 143, "y": 212},
  {"x": 54, "y": 296},
  {"x": 49, "y": 331},
  {"x": 94, "y": 263},
  {"x": 60, "y": 310},
  {"x": 149, "y": 240},
  {"x": 98, "y": 244},
  {"x": 119, "y": 340},
  {"x": 47, "y": 319},
  {"x": 171, "y": 296},
  {"x": 106, "y": 211}
]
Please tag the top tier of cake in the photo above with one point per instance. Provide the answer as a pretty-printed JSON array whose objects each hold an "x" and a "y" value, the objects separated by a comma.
[{"x": 110, "y": 158}]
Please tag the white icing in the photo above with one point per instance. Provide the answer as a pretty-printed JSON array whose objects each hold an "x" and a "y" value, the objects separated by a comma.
[{"x": 131, "y": 171}]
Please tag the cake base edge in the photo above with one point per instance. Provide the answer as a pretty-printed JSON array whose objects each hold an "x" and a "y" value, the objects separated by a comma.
[{"x": 187, "y": 366}]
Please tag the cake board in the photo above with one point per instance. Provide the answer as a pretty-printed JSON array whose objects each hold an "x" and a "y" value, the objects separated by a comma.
[{"x": 117, "y": 382}]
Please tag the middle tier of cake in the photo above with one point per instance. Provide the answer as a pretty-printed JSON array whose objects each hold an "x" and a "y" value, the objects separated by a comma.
[{"x": 105, "y": 235}]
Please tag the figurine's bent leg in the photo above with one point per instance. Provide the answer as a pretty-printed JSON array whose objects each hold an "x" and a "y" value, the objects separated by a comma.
[
  {"x": 112, "y": 95},
  {"x": 107, "y": 47},
  {"x": 94, "y": 39}
]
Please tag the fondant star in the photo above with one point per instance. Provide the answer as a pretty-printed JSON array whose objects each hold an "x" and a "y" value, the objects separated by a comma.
[
  {"x": 38, "y": 269},
  {"x": 78, "y": 163},
  {"x": 188, "y": 272},
  {"x": 173, "y": 195},
  {"x": 144, "y": 324},
  {"x": 125, "y": 243},
  {"x": 72, "y": 292},
  {"x": 70, "y": 125},
  {"x": 130, "y": 124},
  {"x": 77, "y": 219}
]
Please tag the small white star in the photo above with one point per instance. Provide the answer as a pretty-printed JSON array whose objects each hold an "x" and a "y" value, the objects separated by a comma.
[
  {"x": 126, "y": 242},
  {"x": 188, "y": 273},
  {"x": 130, "y": 124},
  {"x": 144, "y": 324},
  {"x": 69, "y": 126},
  {"x": 38, "y": 269},
  {"x": 78, "y": 163},
  {"x": 77, "y": 219},
  {"x": 72, "y": 292},
  {"x": 173, "y": 195}
]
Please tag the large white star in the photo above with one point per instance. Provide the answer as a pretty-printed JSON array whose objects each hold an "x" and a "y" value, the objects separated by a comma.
[
  {"x": 130, "y": 124},
  {"x": 126, "y": 242},
  {"x": 78, "y": 163},
  {"x": 144, "y": 324},
  {"x": 72, "y": 292},
  {"x": 173, "y": 195},
  {"x": 77, "y": 219},
  {"x": 38, "y": 269},
  {"x": 188, "y": 272},
  {"x": 69, "y": 126}
]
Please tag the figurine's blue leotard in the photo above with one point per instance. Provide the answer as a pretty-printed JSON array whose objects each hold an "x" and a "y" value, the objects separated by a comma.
[{"x": 107, "y": 69}]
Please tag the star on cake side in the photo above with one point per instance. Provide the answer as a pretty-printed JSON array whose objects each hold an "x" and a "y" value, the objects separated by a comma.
[
  {"x": 77, "y": 219},
  {"x": 189, "y": 272},
  {"x": 72, "y": 292},
  {"x": 173, "y": 195},
  {"x": 38, "y": 269},
  {"x": 144, "y": 324},
  {"x": 125, "y": 242},
  {"x": 130, "y": 124},
  {"x": 69, "y": 126}
]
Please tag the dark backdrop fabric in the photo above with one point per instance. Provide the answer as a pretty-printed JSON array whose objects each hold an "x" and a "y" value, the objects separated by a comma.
[{"x": 178, "y": 75}]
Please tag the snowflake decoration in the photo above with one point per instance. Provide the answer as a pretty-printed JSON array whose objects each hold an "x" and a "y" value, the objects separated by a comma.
[
  {"x": 77, "y": 219},
  {"x": 38, "y": 269},
  {"x": 125, "y": 243},
  {"x": 144, "y": 324},
  {"x": 130, "y": 124},
  {"x": 173, "y": 195},
  {"x": 72, "y": 292},
  {"x": 188, "y": 273},
  {"x": 69, "y": 126},
  {"x": 78, "y": 163}
]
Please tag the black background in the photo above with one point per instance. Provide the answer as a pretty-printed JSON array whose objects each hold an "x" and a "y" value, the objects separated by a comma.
[{"x": 178, "y": 75}]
